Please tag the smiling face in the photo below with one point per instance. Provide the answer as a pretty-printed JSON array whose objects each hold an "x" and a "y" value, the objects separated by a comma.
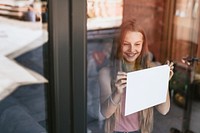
[{"x": 132, "y": 46}]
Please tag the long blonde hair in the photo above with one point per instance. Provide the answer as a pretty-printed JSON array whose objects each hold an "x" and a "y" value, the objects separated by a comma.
[{"x": 145, "y": 116}]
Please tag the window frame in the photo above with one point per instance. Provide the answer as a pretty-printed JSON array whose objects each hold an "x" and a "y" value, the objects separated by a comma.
[{"x": 66, "y": 67}]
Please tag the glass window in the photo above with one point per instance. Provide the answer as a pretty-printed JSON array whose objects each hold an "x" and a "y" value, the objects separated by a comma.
[
  {"x": 23, "y": 37},
  {"x": 185, "y": 51},
  {"x": 104, "y": 18},
  {"x": 170, "y": 35}
]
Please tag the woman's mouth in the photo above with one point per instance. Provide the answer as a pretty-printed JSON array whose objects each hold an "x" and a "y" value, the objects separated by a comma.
[{"x": 131, "y": 54}]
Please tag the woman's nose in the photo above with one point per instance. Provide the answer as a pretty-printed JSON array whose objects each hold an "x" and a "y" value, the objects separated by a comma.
[{"x": 132, "y": 49}]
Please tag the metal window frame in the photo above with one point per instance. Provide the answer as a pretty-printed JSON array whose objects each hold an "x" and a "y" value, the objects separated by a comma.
[{"x": 66, "y": 67}]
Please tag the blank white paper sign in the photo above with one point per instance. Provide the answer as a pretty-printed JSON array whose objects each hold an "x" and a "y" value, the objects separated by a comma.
[{"x": 146, "y": 88}]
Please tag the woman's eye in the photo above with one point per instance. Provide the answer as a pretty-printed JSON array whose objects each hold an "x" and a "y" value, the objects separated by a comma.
[
  {"x": 137, "y": 44},
  {"x": 126, "y": 44}
]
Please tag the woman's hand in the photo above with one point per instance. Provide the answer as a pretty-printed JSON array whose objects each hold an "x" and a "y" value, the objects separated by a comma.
[
  {"x": 120, "y": 82},
  {"x": 171, "y": 65}
]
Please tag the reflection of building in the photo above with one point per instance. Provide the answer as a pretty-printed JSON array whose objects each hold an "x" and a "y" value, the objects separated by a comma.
[
  {"x": 27, "y": 10},
  {"x": 104, "y": 8},
  {"x": 22, "y": 91},
  {"x": 104, "y": 13}
]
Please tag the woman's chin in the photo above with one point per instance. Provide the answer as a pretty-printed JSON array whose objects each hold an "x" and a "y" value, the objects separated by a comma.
[{"x": 130, "y": 60}]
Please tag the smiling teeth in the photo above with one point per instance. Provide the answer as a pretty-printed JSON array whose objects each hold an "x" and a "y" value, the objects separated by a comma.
[{"x": 131, "y": 55}]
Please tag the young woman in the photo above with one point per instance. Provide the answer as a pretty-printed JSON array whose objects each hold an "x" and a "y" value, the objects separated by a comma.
[{"x": 129, "y": 53}]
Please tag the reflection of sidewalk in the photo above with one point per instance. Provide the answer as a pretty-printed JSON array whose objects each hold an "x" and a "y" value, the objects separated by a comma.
[
  {"x": 19, "y": 37},
  {"x": 13, "y": 75},
  {"x": 16, "y": 38},
  {"x": 24, "y": 110}
]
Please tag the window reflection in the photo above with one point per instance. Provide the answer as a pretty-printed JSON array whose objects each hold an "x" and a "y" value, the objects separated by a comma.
[
  {"x": 169, "y": 37},
  {"x": 104, "y": 14},
  {"x": 23, "y": 35}
]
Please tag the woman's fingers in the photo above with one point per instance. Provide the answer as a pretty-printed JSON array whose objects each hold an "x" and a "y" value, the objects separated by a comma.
[
  {"x": 120, "y": 87},
  {"x": 120, "y": 82},
  {"x": 171, "y": 74},
  {"x": 120, "y": 76},
  {"x": 171, "y": 65}
]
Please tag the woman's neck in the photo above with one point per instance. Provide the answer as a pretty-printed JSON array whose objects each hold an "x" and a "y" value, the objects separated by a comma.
[{"x": 129, "y": 66}]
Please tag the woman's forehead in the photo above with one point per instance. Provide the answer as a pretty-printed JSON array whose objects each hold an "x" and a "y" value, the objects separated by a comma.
[{"x": 133, "y": 35}]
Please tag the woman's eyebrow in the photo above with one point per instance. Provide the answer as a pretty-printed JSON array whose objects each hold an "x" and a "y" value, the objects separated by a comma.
[
  {"x": 126, "y": 42},
  {"x": 139, "y": 41},
  {"x": 135, "y": 42}
]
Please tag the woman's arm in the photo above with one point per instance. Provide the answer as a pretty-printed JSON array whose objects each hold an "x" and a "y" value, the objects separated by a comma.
[
  {"x": 109, "y": 100},
  {"x": 164, "y": 107}
]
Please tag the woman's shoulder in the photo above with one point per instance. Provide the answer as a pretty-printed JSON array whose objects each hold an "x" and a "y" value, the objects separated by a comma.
[
  {"x": 104, "y": 70},
  {"x": 104, "y": 75}
]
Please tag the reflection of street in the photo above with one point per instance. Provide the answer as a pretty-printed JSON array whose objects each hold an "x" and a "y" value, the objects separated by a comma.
[
  {"x": 22, "y": 90},
  {"x": 98, "y": 57},
  {"x": 19, "y": 37},
  {"x": 24, "y": 110},
  {"x": 16, "y": 38},
  {"x": 25, "y": 10},
  {"x": 13, "y": 75}
]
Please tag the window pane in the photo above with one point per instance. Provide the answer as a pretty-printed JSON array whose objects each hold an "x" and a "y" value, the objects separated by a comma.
[
  {"x": 104, "y": 18},
  {"x": 172, "y": 30},
  {"x": 23, "y": 36}
]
